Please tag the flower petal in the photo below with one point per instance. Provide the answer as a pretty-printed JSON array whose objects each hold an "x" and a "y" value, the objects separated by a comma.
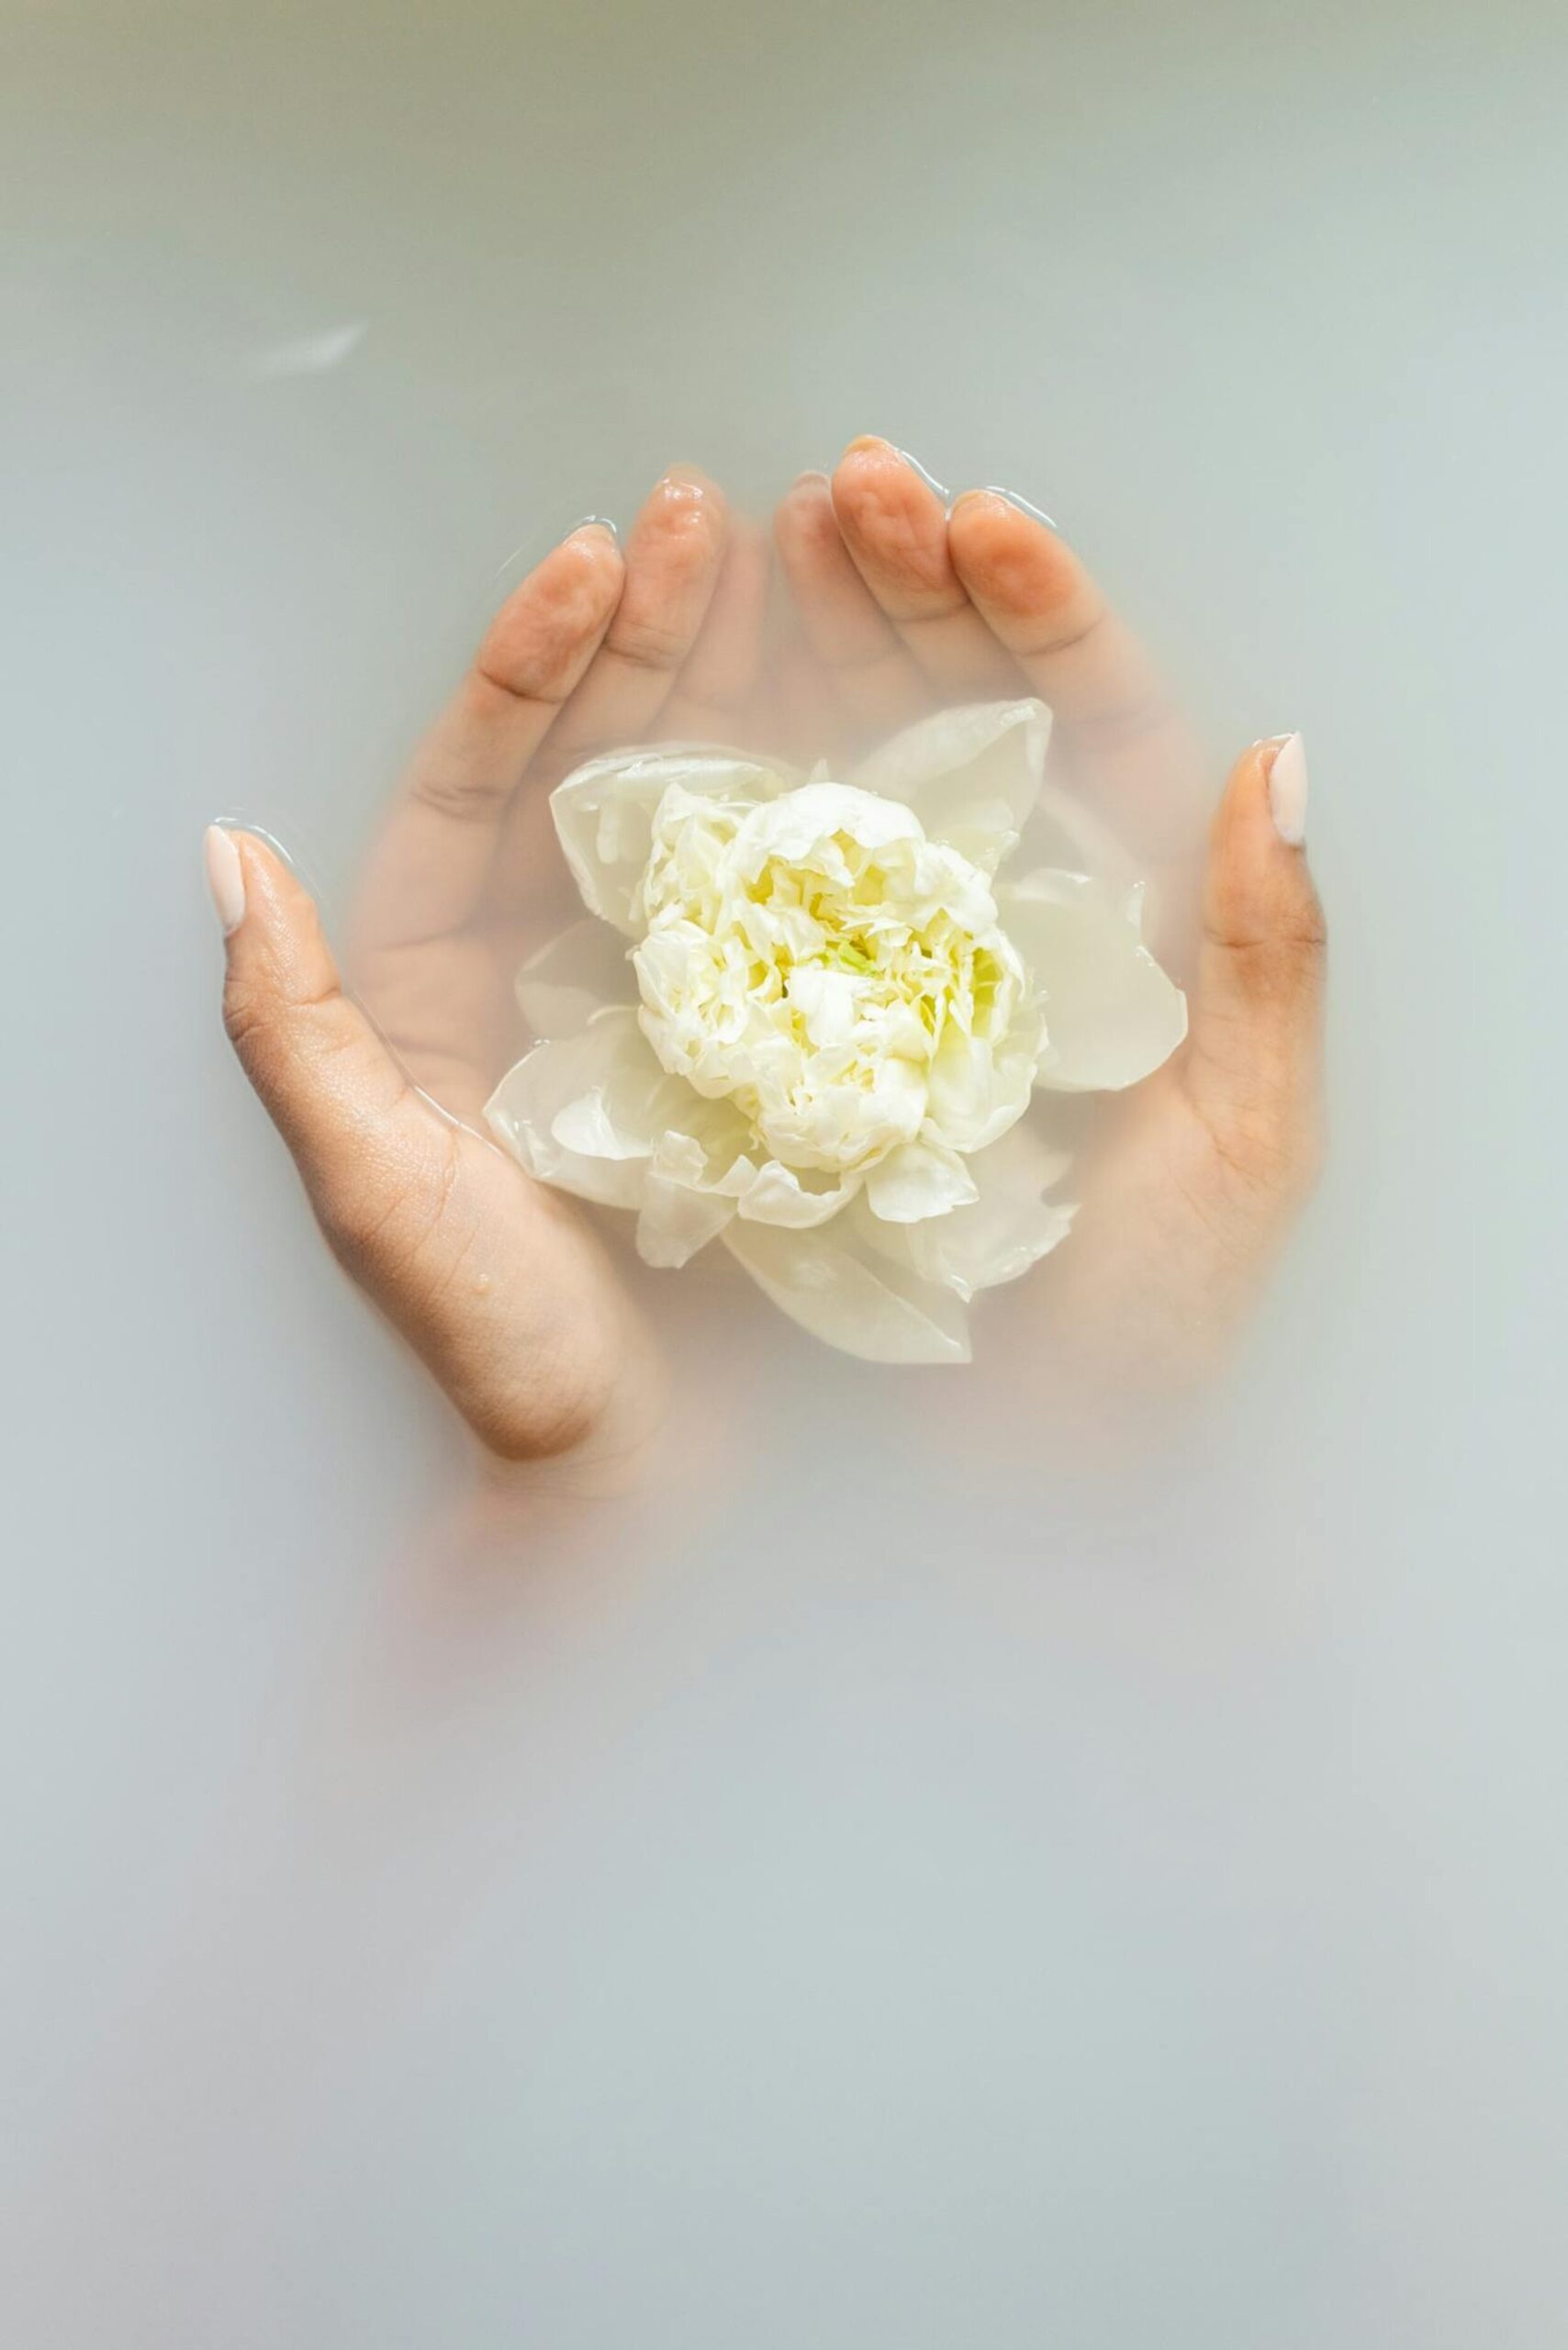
[
  {"x": 976, "y": 1090},
  {"x": 970, "y": 774},
  {"x": 584, "y": 1112},
  {"x": 798, "y": 823},
  {"x": 573, "y": 976},
  {"x": 604, "y": 814},
  {"x": 1007, "y": 1228},
  {"x": 777, "y": 1194},
  {"x": 677, "y": 1220},
  {"x": 707, "y": 1159},
  {"x": 918, "y": 1181},
  {"x": 1112, "y": 1015},
  {"x": 833, "y": 1285},
  {"x": 1062, "y": 832}
]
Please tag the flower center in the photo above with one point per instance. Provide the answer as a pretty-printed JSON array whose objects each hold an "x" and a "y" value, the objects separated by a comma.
[{"x": 813, "y": 964}]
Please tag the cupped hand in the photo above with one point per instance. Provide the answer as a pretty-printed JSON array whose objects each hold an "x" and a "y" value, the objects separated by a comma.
[
  {"x": 901, "y": 603},
  {"x": 502, "y": 1286},
  {"x": 906, "y": 601}
]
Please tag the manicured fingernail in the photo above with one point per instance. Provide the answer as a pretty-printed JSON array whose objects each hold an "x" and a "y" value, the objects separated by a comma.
[
  {"x": 1287, "y": 790},
  {"x": 224, "y": 878},
  {"x": 595, "y": 522},
  {"x": 929, "y": 479},
  {"x": 1036, "y": 514}
]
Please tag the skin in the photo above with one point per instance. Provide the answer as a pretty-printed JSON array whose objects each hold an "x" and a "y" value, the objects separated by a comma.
[{"x": 896, "y": 605}]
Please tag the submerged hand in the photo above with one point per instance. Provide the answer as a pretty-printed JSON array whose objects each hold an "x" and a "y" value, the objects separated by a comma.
[
  {"x": 501, "y": 1285},
  {"x": 1191, "y": 1180}
]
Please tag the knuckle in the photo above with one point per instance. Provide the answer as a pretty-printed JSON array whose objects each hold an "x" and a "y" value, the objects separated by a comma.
[
  {"x": 249, "y": 1018},
  {"x": 1278, "y": 965},
  {"x": 473, "y": 794},
  {"x": 272, "y": 1023},
  {"x": 648, "y": 642}
]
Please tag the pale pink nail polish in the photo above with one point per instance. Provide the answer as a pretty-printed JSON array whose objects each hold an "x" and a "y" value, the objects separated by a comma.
[
  {"x": 224, "y": 878},
  {"x": 1287, "y": 790}
]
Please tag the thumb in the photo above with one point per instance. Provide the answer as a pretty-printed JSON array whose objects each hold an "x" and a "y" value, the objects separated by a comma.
[
  {"x": 361, "y": 1139},
  {"x": 1255, "y": 1067}
]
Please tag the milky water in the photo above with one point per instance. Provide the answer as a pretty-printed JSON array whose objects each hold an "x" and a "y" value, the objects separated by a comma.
[{"x": 927, "y": 1886}]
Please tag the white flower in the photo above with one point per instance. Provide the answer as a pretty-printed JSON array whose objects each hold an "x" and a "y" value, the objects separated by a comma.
[{"x": 822, "y": 1037}]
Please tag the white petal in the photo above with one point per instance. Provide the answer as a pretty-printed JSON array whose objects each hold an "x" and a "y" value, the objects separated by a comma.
[
  {"x": 833, "y": 1285},
  {"x": 676, "y": 1221},
  {"x": 776, "y": 1194},
  {"x": 918, "y": 1181},
  {"x": 604, "y": 814},
  {"x": 572, "y": 977},
  {"x": 971, "y": 775},
  {"x": 584, "y": 1113},
  {"x": 826, "y": 1001},
  {"x": 706, "y": 1148},
  {"x": 1007, "y": 1228},
  {"x": 1062, "y": 832},
  {"x": 791, "y": 827},
  {"x": 974, "y": 1093},
  {"x": 701, "y": 1174},
  {"x": 1112, "y": 1015}
]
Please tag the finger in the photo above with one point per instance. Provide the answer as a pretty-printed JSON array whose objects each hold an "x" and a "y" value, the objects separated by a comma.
[
  {"x": 874, "y": 676},
  {"x": 895, "y": 526},
  {"x": 674, "y": 555},
  {"x": 1041, "y": 603},
  {"x": 721, "y": 673},
  {"x": 357, "y": 1131},
  {"x": 673, "y": 559},
  {"x": 1107, "y": 694},
  {"x": 1254, "y": 1066},
  {"x": 413, "y": 1205},
  {"x": 427, "y": 875}
]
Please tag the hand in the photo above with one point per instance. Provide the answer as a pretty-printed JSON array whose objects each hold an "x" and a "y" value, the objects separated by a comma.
[
  {"x": 501, "y": 1285},
  {"x": 1191, "y": 1180}
]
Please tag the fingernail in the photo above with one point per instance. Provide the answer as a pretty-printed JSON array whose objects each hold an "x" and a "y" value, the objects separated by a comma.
[
  {"x": 224, "y": 878},
  {"x": 1287, "y": 790},
  {"x": 1035, "y": 514},
  {"x": 595, "y": 522},
  {"x": 929, "y": 479}
]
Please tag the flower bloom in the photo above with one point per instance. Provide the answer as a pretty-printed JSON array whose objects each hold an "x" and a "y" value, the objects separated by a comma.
[{"x": 807, "y": 1017}]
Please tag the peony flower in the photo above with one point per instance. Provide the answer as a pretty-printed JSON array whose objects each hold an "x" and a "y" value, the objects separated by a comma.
[{"x": 806, "y": 1017}]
